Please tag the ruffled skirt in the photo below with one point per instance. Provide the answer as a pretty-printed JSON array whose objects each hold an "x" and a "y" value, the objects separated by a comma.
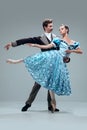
[{"x": 48, "y": 69}]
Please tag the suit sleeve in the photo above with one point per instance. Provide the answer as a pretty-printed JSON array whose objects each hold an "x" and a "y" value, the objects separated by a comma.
[{"x": 26, "y": 40}]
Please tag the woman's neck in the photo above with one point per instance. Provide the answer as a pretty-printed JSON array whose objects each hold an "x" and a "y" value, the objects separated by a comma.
[{"x": 66, "y": 38}]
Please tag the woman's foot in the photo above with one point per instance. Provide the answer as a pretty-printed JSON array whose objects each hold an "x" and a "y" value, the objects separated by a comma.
[{"x": 10, "y": 61}]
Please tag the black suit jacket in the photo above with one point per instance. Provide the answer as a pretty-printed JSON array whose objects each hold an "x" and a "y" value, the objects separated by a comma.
[{"x": 42, "y": 40}]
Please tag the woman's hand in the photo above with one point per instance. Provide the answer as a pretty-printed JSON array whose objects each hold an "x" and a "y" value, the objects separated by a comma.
[
  {"x": 78, "y": 51},
  {"x": 68, "y": 51}
]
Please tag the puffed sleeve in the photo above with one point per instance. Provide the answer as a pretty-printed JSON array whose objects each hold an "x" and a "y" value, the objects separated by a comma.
[
  {"x": 56, "y": 41},
  {"x": 74, "y": 46}
]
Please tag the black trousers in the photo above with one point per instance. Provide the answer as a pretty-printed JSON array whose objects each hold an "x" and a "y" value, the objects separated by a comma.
[{"x": 34, "y": 92}]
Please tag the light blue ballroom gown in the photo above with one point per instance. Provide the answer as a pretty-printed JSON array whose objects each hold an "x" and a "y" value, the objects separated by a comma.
[{"x": 48, "y": 69}]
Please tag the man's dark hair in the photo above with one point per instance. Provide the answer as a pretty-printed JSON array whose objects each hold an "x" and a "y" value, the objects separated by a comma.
[{"x": 46, "y": 22}]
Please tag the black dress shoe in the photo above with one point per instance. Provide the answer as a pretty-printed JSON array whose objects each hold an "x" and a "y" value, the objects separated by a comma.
[
  {"x": 51, "y": 109},
  {"x": 57, "y": 110},
  {"x": 25, "y": 107}
]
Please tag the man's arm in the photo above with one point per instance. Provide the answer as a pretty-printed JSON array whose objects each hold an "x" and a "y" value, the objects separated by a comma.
[{"x": 23, "y": 41}]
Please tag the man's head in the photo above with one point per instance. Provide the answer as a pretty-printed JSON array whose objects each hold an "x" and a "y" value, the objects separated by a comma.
[{"x": 48, "y": 25}]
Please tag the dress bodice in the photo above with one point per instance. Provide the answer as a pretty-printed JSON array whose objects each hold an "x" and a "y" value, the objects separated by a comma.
[{"x": 64, "y": 46}]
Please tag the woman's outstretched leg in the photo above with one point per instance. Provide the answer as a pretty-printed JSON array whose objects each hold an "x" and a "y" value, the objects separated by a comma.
[{"x": 11, "y": 61}]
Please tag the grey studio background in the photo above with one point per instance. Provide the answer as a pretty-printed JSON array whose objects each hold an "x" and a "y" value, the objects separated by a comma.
[{"x": 23, "y": 18}]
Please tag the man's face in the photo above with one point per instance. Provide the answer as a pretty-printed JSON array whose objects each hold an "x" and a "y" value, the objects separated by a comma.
[{"x": 49, "y": 28}]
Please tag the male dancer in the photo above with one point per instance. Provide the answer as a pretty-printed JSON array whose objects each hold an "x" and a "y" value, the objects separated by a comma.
[{"x": 44, "y": 39}]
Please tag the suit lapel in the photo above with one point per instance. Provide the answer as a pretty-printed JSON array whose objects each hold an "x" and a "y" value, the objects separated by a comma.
[{"x": 44, "y": 39}]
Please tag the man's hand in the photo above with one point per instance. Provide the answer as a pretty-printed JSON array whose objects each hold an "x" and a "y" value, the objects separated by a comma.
[
  {"x": 7, "y": 46},
  {"x": 66, "y": 59}
]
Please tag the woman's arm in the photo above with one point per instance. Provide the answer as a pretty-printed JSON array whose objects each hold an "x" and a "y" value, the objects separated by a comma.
[
  {"x": 42, "y": 46},
  {"x": 78, "y": 51}
]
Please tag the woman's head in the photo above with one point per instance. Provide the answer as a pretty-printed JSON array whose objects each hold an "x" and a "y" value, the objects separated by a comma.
[{"x": 64, "y": 29}]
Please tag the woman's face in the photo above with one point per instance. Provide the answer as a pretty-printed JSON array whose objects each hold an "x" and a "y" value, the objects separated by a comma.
[{"x": 62, "y": 30}]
